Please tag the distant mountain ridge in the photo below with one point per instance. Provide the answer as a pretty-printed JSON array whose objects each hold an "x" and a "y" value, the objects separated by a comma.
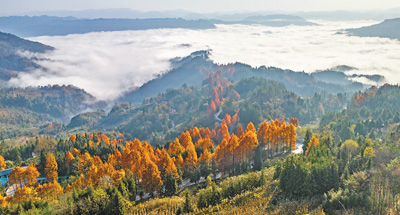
[
  {"x": 389, "y": 28},
  {"x": 26, "y": 26},
  {"x": 126, "y": 13},
  {"x": 275, "y": 20}
]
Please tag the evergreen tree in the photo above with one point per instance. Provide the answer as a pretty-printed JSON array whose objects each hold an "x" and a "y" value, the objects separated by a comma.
[
  {"x": 187, "y": 206},
  {"x": 121, "y": 206},
  {"x": 216, "y": 195},
  {"x": 123, "y": 189},
  {"x": 195, "y": 175},
  {"x": 179, "y": 211},
  {"x": 171, "y": 186},
  {"x": 42, "y": 163},
  {"x": 307, "y": 139},
  {"x": 258, "y": 159},
  {"x": 131, "y": 185},
  {"x": 293, "y": 177},
  {"x": 180, "y": 173},
  {"x": 262, "y": 178}
]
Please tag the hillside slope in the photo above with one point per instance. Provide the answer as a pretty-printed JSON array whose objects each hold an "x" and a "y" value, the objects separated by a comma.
[
  {"x": 192, "y": 70},
  {"x": 389, "y": 28},
  {"x": 25, "y": 111},
  {"x": 10, "y": 58}
]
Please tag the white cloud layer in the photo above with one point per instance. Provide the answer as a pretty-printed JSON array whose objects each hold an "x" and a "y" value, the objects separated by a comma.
[{"x": 107, "y": 63}]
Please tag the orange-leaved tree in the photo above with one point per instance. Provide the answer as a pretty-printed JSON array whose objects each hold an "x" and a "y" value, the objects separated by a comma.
[
  {"x": 2, "y": 163},
  {"x": 68, "y": 159},
  {"x": 31, "y": 173},
  {"x": 185, "y": 139},
  {"x": 314, "y": 142},
  {"x": 191, "y": 159},
  {"x": 176, "y": 147},
  {"x": 294, "y": 121},
  {"x": 51, "y": 168},
  {"x": 49, "y": 191},
  {"x": 151, "y": 178},
  {"x": 72, "y": 137},
  {"x": 17, "y": 176}
]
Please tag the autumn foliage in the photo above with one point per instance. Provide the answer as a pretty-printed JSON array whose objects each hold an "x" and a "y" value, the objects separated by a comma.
[{"x": 149, "y": 166}]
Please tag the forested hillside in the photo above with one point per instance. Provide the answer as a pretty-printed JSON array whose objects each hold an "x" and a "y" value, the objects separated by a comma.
[
  {"x": 11, "y": 59},
  {"x": 193, "y": 69},
  {"x": 30, "y": 111},
  {"x": 370, "y": 113},
  {"x": 252, "y": 99}
]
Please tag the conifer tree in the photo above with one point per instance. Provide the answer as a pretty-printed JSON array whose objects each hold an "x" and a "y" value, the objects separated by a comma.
[
  {"x": 258, "y": 158},
  {"x": 51, "y": 168},
  {"x": 2, "y": 163},
  {"x": 307, "y": 139},
  {"x": 187, "y": 206},
  {"x": 171, "y": 186}
]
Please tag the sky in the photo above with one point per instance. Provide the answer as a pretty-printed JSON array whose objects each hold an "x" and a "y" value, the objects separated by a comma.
[
  {"x": 106, "y": 64},
  {"x": 12, "y": 7}
]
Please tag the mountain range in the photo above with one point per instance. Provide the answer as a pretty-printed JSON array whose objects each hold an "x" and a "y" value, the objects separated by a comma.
[
  {"x": 126, "y": 13},
  {"x": 192, "y": 69},
  {"x": 29, "y": 111},
  {"x": 26, "y": 26}
]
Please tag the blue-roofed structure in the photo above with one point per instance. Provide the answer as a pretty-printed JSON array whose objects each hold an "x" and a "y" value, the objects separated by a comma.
[{"x": 4, "y": 174}]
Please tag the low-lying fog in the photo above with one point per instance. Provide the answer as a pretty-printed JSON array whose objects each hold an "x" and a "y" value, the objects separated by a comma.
[{"x": 107, "y": 63}]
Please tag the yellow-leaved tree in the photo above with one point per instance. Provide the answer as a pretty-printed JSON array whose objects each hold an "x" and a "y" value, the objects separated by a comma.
[
  {"x": 51, "y": 168},
  {"x": 176, "y": 147},
  {"x": 185, "y": 139},
  {"x": 151, "y": 178},
  {"x": 17, "y": 176},
  {"x": 68, "y": 159},
  {"x": 314, "y": 142},
  {"x": 2, "y": 163},
  {"x": 191, "y": 159},
  {"x": 22, "y": 194},
  {"x": 49, "y": 191},
  {"x": 31, "y": 173}
]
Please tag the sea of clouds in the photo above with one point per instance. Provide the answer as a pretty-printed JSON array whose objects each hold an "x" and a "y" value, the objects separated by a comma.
[{"x": 106, "y": 64}]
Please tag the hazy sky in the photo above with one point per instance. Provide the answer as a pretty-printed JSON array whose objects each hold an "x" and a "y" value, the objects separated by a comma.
[{"x": 9, "y": 7}]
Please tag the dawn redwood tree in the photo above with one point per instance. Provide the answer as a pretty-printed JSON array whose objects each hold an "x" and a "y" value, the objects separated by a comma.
[
  {"x": 191, "y": 159},
  {"x": 314, "y": 142},
  {"x": 17, "y": 176},
  {"x": 31, "y": 173},
  {"x": 185, "y": 139},
  {"x": 2, "y": 163},
  {"x": 239, "y": 132},
  {"x": 151, "y": 176},
  {"x": 51, "y": 168},
  {"x": 294, "y": 121},
  {"x": 176, "y": 148}
]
